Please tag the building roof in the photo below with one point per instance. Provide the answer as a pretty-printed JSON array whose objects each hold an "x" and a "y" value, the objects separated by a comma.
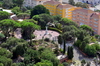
[
  {"x": 95, "y": 15},
  {"x": 84, "y": 10},
  {"x": 64, "y": 6},
  {"x": 52, "y": 2}
]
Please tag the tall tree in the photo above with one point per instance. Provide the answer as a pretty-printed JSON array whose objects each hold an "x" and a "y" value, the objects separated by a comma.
[
  {"x": 43, "y": 19},
  {"x": 4, "y": 15},
  {"x": 28, "y": 29},
  {"x": 39, "y": 9},
  {"x": 70, "y": 52},
  {"x": 8, "y": 26}
]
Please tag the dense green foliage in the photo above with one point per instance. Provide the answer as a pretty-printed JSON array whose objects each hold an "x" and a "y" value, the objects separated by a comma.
[
  {"x": 23, "y": 15},
  {"x": 18, "y": 2},
  {"x": 7, "y": 3},
  {"x": 28, "y": 29},
  {"x": 4, "y": 15},
  {"x": 80, "y": 4},
  {"x": 5, "y": 61},
  {"x": 39, "y": 9},
  {"x": 43, "y": 19},
  {"x": 8, "y": 26},
  {"x": 36, "y": 52},
  {"x": 2, "y": 36},
  {"x": 16, "y": 10},
  {"x": 70, "y": 52}
]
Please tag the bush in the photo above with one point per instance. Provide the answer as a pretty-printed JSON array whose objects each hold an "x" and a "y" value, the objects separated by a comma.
[
  {"x": 97, "y": 46},
  {"x": 90, "y": 50},
  {"x": 16, "y": 10},
  {"x": 55, "y": 29},
  {"x": 61, "y": 50},
  {"x": 66, "y": 64},
  {"x": 77, "y": 43}
]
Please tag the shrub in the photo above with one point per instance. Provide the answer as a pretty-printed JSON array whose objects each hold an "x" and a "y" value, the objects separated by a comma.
[
  {"x": 55, "y": 29},
  {"x": 90, "y": 50},
  {"x": 66, "y": 64},
  {"x": 61, "y": 50},
  {"x": 77, "y": 43}
]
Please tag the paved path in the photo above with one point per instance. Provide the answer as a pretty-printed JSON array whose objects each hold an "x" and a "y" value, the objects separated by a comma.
[
  {"x": 78, "y": 56},
  {"x": 52, "y": 35}
]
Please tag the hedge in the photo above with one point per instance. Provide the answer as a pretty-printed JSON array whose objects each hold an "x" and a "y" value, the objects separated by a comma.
[{"x": 51, "y": 28}]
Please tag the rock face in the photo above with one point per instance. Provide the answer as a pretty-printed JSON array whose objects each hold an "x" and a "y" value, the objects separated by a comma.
[{"x": 92, "y": 2}]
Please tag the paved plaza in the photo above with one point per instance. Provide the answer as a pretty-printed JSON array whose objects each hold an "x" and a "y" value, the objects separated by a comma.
[{"x": 52, "y": 35}]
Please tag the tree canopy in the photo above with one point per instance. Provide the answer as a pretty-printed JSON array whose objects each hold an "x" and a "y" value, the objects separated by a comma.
[
  {"x": 4, "y": 15},
  {"x": 8, "y": 26},
  {"x": 43, "y": 19},
  {"x": 39, "y": 9}
]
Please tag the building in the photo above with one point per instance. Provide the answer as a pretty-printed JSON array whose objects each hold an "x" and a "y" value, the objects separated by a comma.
[
  {"x": 87, "y": 17},
  {"x": 92, "y": 2},
  {"x": 65, "y": 10},
  {"x": 52, "y": 6},
  {"x": 32, "y": 3},
  {"x": 95, "y": 22},
  {"x": 57, "y": 8}
]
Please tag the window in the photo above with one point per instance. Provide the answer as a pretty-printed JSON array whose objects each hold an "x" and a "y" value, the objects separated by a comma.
[
  {"x": 74, "y": 19},
  {"x": 90, "y": 24},
  {"x": 95, "y": 26},
  {"x": 95, "y": 29},
  {"x": 95, "y": 23},
  {"x": 81, "y": 23},
  {"x": 74, "y": 13},
  {"x": 96, "y": 19},
  {"x": 60, "y": 9},
  {"x": 73, "y": 16}
]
